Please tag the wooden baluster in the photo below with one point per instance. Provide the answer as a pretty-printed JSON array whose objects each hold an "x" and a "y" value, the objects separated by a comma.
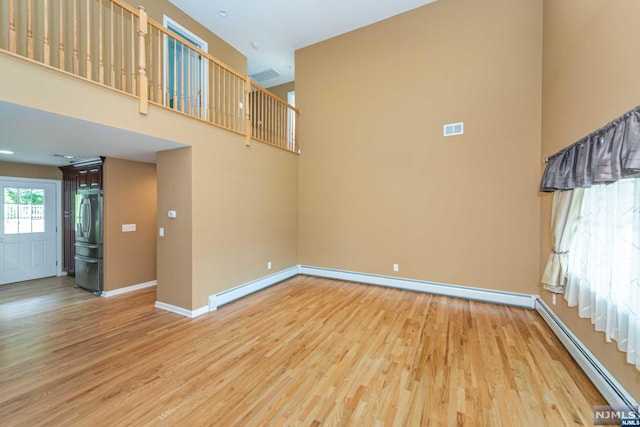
[
  {"x": 76, "y": 59},
  {"x": 199, "y": 85},
  {"x": 188, "y": 93},
  {"x": 228, "y": 98},
  {"x": 142, "y": 67},
  {"x": 223, "y": 95},
  {"x": 88, "y": 47},
  {"x": 150, "y": 66},
  {"x": 280, "y": 125},
  {"x": 247, "y": 112},
  {"x": 281, "y": 128},
  {"x": 45, "y": 30},
  {"x": 239, "y": 100},
  {"x": 61, "y": 35},
  {"x": 237, "y": 119},
  {"x": 123, "y": 60},
  {"x": 134, "y": 83},
  {"x": 12, "y": 26},
  {"x": 207, "y": 97},
  {"x": 218, "y": 96},
  {"x": 160, "y": 78},
  {"x": 112, "y": 66},
  {"x": 175, "y": 75},
  {"x": 183, "y": 95},
  {"x": 100, "y": 43},
  {"x": 262, "y": 116},
  {"x": 29, "y": 30}
]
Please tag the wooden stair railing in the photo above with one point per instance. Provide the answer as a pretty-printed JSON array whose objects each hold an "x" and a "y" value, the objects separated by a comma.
[{"x": 115, "y": 45}]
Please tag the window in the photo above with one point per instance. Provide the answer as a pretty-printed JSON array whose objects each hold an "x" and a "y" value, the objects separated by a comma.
[
  {"x": 186, "y": 72},
  {"x": 604, "y": 263},
  {"x": 23, "y": 210}
]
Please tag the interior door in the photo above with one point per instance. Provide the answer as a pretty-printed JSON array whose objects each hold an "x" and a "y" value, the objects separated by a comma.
[{"x": 28, "y": 230}]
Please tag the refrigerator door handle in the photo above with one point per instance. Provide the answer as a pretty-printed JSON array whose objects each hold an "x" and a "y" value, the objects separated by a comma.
[
  {"x": 87, "y": 260},
  {"x": 85, "y": 217}
]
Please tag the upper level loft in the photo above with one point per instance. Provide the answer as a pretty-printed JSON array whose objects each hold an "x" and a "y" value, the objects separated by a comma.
[{"x": 117, "y": 46}]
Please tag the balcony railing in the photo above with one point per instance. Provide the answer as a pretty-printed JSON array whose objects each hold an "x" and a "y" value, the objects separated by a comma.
[{"x": 118, "y": 46}]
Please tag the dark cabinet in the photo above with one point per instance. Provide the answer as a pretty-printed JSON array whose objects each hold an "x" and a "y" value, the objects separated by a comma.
[
  {"x": 90, "y": 177},
  {"x": 75, "y": 178}
]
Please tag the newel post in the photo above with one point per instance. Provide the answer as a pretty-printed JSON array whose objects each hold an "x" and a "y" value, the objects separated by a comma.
[
  {"x": 247, "y": 110},
  {"x": 143, "y": 83}
]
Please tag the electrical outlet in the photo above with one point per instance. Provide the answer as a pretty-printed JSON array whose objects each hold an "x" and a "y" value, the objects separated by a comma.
[
  {"x": 269, "y": 265},
  {"x": 396, "y": 268}
]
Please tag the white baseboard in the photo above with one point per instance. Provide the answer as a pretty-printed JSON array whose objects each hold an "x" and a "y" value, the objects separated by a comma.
[
  {"x": 479, "y": 294},
  {"x": 233, "y": 294},
  {"x": 61, "y": 273},
  {"x": 613, "y": 392},
  {"x": 182, "y": 311},
  {"x": 128, "y": 289}
]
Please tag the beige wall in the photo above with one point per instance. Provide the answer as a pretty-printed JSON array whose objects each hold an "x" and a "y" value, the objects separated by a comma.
[
  {"x": 244, "y": 213},
  {"x": 175, "y": 255},
  {"x": 590, "y": 78},
  {"x": 282, "y": 91},
  {"x": 222, "y": 50},
  {"x": 129, "y": 198},
  {"x": 23, "y": 170},
  {"x": 379, "y": 184}
]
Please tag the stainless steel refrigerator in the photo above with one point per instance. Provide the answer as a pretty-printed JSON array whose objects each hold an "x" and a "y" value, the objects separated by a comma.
[{"x": 89, "y": 240}]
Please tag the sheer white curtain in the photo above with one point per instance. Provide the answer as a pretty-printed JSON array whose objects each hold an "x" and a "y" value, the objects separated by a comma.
[{"x": 604, "y": 263}]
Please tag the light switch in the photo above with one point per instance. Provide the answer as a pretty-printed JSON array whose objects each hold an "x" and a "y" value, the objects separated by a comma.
[
  {"x": 161, "y": 231},
  {"x": 127, "y": 228},
  {"x": 171, "y": 214}
]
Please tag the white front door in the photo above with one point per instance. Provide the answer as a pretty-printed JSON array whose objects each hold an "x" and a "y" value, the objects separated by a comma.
[{"x": 28, "y": 230}]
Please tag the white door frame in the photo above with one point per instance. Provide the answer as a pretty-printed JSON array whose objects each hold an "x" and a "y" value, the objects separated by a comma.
[
  {"x": 58, "y": 213},
  {"x": 172, "y": 25}
]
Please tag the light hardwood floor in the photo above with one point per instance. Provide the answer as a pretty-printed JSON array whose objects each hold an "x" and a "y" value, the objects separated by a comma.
[{"x": 308, "y": 352}]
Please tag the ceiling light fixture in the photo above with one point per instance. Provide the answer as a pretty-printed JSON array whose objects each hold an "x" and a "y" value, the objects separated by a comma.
[
  {"x": 223, "y": 13},
  {"x": 6, "y": 152}
]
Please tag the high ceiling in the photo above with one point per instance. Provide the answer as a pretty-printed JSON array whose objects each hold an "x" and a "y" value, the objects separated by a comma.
[{"x": 269, "y": 32}]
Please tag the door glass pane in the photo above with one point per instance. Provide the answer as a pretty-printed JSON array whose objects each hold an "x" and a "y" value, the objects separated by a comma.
[{"x": 23, "y": 210}]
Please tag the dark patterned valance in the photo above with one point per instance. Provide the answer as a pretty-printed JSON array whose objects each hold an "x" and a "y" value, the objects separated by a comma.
[{"x": 606, "y": 155}]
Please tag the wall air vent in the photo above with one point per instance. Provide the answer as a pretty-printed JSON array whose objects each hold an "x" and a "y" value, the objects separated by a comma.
[
  {"x": 265, "y": 75},
  {"x": 454, "y": 129}
]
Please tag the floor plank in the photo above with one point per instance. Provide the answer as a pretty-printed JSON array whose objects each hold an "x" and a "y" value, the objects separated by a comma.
[{"x": 308, "y": 351}]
